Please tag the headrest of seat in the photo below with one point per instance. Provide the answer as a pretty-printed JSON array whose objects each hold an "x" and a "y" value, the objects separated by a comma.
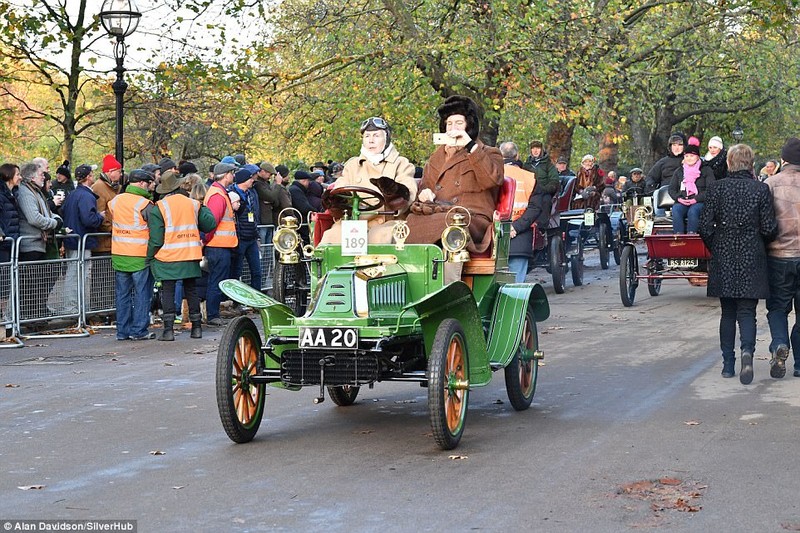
[{"x": 505, "y": 199}]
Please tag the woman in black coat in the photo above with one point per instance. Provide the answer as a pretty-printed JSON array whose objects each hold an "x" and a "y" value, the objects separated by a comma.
[
  {"x": 737, "y": 222},
  {"x": 9, "y": 213}
]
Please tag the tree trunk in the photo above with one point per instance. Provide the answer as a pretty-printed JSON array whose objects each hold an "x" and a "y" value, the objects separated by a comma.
[
  {"x": 608, "y": 155},
  {"x": 559, "y": 140}
]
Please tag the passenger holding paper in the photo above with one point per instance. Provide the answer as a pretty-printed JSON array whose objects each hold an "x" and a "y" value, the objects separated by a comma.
[
  {"x": 379, "y": 167},
  {"x": 467, "y": 174}
]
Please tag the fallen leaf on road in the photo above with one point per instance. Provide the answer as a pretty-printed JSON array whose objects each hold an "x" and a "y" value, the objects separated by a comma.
[
  {"x": 405, "y": 401},
  {"x": 552, "y": 328},
  {"x": 458, "y": 457},
  {"x": 32, "y": 487},
  {"x": 790, "y": 527},
  {"x": 364, "y": 432},
  {"x": 12, "y": 386},
  {"x": 179, "y": 487},
  {"x": 169, "y": 364},
  {"x": 669, "y": 481},
  {"x": 498, "y": 402},
  {"x": 156, "y": 452},
  {"x": 692, "y": 423},
  {"x": 111, "y": 353}
]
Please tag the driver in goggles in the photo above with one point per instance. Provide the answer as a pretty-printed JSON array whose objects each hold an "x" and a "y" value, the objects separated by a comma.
[{"x": 378, "y": 167}]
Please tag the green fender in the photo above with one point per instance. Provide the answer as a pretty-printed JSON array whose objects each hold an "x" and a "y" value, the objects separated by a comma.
[
  {"x": 273, "y": 313},
  {"x": 456, "y": 301},
  {"x": 505, "y": 332}
]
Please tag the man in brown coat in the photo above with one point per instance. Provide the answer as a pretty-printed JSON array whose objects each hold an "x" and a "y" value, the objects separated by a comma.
[
  {"x": 106, "y": 188},
  {"x": 464, "y": 172}
]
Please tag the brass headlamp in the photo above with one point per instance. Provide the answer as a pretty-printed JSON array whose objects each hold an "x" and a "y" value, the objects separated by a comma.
[
  {"x": 286, "y": 239},
  {"x": 455, "y": 237},
  {"x": 641, "y": 216}
]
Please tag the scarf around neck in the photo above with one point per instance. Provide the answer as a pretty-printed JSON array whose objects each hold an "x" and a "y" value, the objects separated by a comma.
[
  {"x": 377, "y": 159},
  {"x": 690, "y": 175}
]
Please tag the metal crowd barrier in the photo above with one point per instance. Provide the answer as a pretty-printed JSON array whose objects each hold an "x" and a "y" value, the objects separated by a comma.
[
  {"x": 48, "y": 293},
  {"x": 99, "y": 284},
  {"x": 7, "y": 298}
]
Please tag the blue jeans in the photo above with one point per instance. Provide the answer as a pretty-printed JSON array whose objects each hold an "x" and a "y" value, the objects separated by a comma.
[
  {"x": 680, "y": 214},
  {"x": 248, "y": 250},
  {"x": 518, "y": 264},
  {"x": 743, "y": 312},
  {"x": 784, "y": 289},
  {"x": 134, "y": 291},
  {"x": 265, "y": 234},
  {"x": 179, "y": 295},
  {"x": 219, "y": 266}
]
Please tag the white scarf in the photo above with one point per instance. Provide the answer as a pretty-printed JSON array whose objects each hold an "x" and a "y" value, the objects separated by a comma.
[{"x": 376, "y": 159}]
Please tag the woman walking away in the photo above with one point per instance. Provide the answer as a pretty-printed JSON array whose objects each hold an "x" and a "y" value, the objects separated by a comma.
[{"x": 737, "y": 222}]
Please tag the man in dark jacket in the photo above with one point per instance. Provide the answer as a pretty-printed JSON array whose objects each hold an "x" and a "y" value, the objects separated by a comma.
[
  {"x": 269, "y": 201},
  {"x": 299, "y": 191},
  {"x": 80, "y": 216},
  {"x": 661, "y": 173},
  {"x": 537, "y": 211},
  {"x": 539, "y": 163},
  {"x": 246, "y": 226}
]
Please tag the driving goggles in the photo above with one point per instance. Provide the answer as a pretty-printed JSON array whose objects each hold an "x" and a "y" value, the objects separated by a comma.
[{"x": 378, "y": 122}]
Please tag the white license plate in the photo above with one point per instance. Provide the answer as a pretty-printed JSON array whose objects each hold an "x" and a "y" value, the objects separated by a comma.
[
  {"x": 329, "y": 338},
  {"x": 681, "y": 263}
]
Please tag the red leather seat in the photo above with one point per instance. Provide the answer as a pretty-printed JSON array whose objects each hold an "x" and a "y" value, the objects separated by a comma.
[
  {"x": 505, "y": 199},
  {"x": 322, "y": 222}
]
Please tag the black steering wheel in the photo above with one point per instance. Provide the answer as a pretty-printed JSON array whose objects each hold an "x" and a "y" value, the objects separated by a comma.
[{"x": 364, "y": 195}]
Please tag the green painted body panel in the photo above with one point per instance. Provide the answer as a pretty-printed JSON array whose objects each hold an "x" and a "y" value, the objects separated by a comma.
[
  {"x": 456, "y": 301},
  {"x": 508, "y": 316}
]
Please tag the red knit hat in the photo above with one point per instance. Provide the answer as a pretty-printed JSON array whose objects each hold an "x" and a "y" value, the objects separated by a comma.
[{"x": 110, "y": 163}]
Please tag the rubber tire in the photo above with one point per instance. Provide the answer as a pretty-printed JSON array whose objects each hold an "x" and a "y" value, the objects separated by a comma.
[
  {"x": 558, "y": 267},
  {"x": 576, "y": 265},
  {"x": 520, "y": 375},
  {"x": 654, "y": 287},
  {"x": 344, "y": 395},
  {"x": 628, "y": 269},
  {"x": 285, "y": 288},
  {"x": 237, "y": 334},
  {"x": 617, "y": 245},
  {"x": 603, "y": 231},
  {"x": 442, "y": 400}
]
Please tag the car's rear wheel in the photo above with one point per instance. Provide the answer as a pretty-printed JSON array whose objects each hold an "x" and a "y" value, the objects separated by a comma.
[
  {"x": 448, "y": 384},
  {"x": 344, "y": 395},
  {"x": 628, "y": 270},
  {"x": 558, "y": 267},
  {"x": 521, "y": 373},
  {"x": 240, "y": 402},
  {"x": 654, "y": 285},
  {"x": 289, "y": 286},
  {"x": 603, "y": 232}
]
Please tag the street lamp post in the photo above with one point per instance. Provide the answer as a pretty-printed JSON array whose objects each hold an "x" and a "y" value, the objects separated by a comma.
[
  {"x": 120, "y": 19},
  {"x": 738, "y": 133}
]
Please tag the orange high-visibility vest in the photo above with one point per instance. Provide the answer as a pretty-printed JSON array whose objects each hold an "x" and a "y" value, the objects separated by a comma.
[
  {"x": 129, "y": 231},
  {"x": 181, "y": 235},
  {"x": 225, "y": 235},
  {"x": 526, "y": 181}
]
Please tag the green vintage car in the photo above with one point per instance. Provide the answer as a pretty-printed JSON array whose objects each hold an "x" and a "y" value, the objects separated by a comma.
[{"x": 386, "y": 315}]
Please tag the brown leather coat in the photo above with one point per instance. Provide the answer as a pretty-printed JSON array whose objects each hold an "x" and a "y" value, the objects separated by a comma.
[
  {"x": 469, "y": 180},
  {"x": 785, "y": 188},
  {"x": 105, "y": 193}
]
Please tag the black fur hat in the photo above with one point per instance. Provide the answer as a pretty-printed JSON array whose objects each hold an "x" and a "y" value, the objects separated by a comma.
[{"x": 460, "y": 105}]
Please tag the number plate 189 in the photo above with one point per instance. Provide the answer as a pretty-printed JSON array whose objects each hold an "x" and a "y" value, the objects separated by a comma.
[{"x": 330, "y": 338}]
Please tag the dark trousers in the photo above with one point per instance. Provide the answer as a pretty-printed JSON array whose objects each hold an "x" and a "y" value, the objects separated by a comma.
[
  {"x": 784, "y": 290},
  {"x": 189, "y": 292},
  {"x": 743, "y": 312}
]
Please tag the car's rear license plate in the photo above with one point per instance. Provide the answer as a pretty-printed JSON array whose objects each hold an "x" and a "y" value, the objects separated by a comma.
[
  {"x": 681, "y": 263},
  {"x": 329, "y": 338}
]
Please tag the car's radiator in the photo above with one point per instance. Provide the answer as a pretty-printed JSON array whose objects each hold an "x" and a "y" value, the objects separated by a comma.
[{"x": 303, "y": 368}]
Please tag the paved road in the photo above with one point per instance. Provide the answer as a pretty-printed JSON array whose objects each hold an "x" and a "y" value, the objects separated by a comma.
[{"x": 631, "y": 427}]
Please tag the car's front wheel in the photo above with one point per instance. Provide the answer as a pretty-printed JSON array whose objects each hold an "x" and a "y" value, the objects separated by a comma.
[
  {"x": 448, "y": 384},
  {"x": 240, "y": 402}
]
